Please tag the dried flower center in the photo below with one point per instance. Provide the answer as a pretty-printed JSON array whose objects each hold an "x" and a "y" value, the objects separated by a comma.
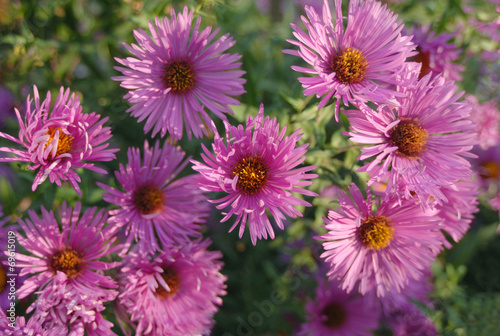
[
  {"x": 349, "y": 66},
  {"x": 376, "y": 232},
  {"x": 172, "y": 280},
  {"x": 148, "y": 199},
  {"x": 489, "y": 169},
  {"x": 409, "y": 137},
  {"x": 335, "y": 315},
  {"x": 65, "y": 140},
  {"x": 3, "y": 278},
  {"x": 179, "y": 76},
  {"x": 423, "y": 58},
  {"x": 252, "y": 174},
  {"x": 67, "y": 261}
]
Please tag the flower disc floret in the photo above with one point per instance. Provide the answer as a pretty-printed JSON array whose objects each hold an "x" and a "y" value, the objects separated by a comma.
[
  {"x": 179, "y": 76},
  {"x": 376, "y": 232},
  {"x": 349, "y": 66}
]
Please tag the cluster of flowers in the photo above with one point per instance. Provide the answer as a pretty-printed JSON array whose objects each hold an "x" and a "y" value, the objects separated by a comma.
[{"x": 161, "y": 277}]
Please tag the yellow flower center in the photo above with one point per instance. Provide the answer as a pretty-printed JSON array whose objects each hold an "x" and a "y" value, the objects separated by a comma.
[
  {"x": 376, "y": 232},
  {"x": 409, "y": 137},
  {"x": 335, "y": 315},
  {"x": 3, "y": 278},
  {"x": 148, "y": 199},
  {"x": 65, "y": 140},
  {"x": 179, "y": 76},
  {"x": 172, "y": 280},
  {"x": 252, "y": 174},
  {"x": 349, "y": 66},
  {"x": 67, "y": 261}
]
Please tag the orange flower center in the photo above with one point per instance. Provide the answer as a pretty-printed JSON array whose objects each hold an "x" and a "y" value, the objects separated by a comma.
[
  {"x": 148, "y": 199},
  {"x": 335, "y": 315},
  {"x": 349, "y": 66},
  {"x": 67, "y": 261},
  {"x": 489, "y": 169},
  {"x": 179, "y": 76},
  {"x": 65, "y": 140},
  {"x": 423, "y": 58},
  {"x": 409, "y": 137},
  {"x": 376, "y": 232},
  {"x": 172, "y": 280},
  {"x": 252, "y": 174}
]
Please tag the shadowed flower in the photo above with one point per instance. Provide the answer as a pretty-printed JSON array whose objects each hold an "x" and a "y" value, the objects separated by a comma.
[
  {"x": 156, "y": 210},
  {"x": 422, "y": 144},
  {"x": 335, "y": 312},
  {"x": 360, "y": 63},
  {"x": 65, "y": 266},
  {"x": 258, "y": 172},
  {"x": 178, "y": 72},
  {"x": 59, "y": 141},
  {"x": 175, "y": 293},
  {"x": 379, "y": 250},
  {"x": 435, "y": 53}
]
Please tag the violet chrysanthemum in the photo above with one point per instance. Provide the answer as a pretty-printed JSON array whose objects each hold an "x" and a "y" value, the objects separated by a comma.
[
  {"x": 487, "y": 118},
  {"x": 178, "y": 72},
  {"x": 18, "y": 326},
  {"x": 422, "y": 144},
  {"x": 335, "y": 312},
  {"x": 64, "y": 266},
  {"x": 175, "y": 293},
  {"x": 382, "y": 249},
  {"x": 257, "y": 170},
  {"x": 60, "y": 140},
  {"x": 156, "y": 209},
  {"x": 435, "y": 53},
  {"x": 360, "y": 63}
]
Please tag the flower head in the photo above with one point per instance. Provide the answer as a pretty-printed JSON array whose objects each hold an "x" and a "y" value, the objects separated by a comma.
[
  {"x": 360, "y": 63},
  {"x": 174, "y": 293},
  {"x": 33, "y": 327},
  {"x": 258, "y": 171},
  {"x": 435, "y": 53},
  {"x": 156, "y": 210},
  {"x": 64, "y": 263},
  {"x": 60, "y": 140},
  {"x": 422, "y": 144},
  {"x": 335, "y": 312},
  {"x": 380, "y": 249},
  {"x": 176, "y": 73}
]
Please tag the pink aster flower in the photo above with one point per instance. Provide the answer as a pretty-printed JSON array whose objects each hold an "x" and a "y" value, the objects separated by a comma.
[
  {"x": 422, "y": 144},
  {"x": 60, "y": 140},
  {"x": 257, "y": 171},
  {"x": 178, "y": 72},
  {"x": 487, "y": 118},
  {"x": 409, "y": 320},
  {"x": 18, "y": 326},
  {"x": 361, "y": 63},
  {"x": 435, "y": 53},
  {"x": 155, "y": 209},
  {"x": 65, "y": 266},
  {"x": 335, "y": 312},
  {"x": 172, "y": 294},
  {"x": 380, "y": 249}
]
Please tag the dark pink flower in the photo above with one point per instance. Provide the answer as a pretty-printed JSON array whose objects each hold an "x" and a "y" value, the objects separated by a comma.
[
  {"x": 256, "y": 169},
  {"x": 60, "y": 140},
  {"x": 175, "y": 293}
]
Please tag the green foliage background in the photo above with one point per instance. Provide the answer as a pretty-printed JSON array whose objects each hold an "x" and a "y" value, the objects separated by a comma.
[{"x": 72, "y": 43}]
